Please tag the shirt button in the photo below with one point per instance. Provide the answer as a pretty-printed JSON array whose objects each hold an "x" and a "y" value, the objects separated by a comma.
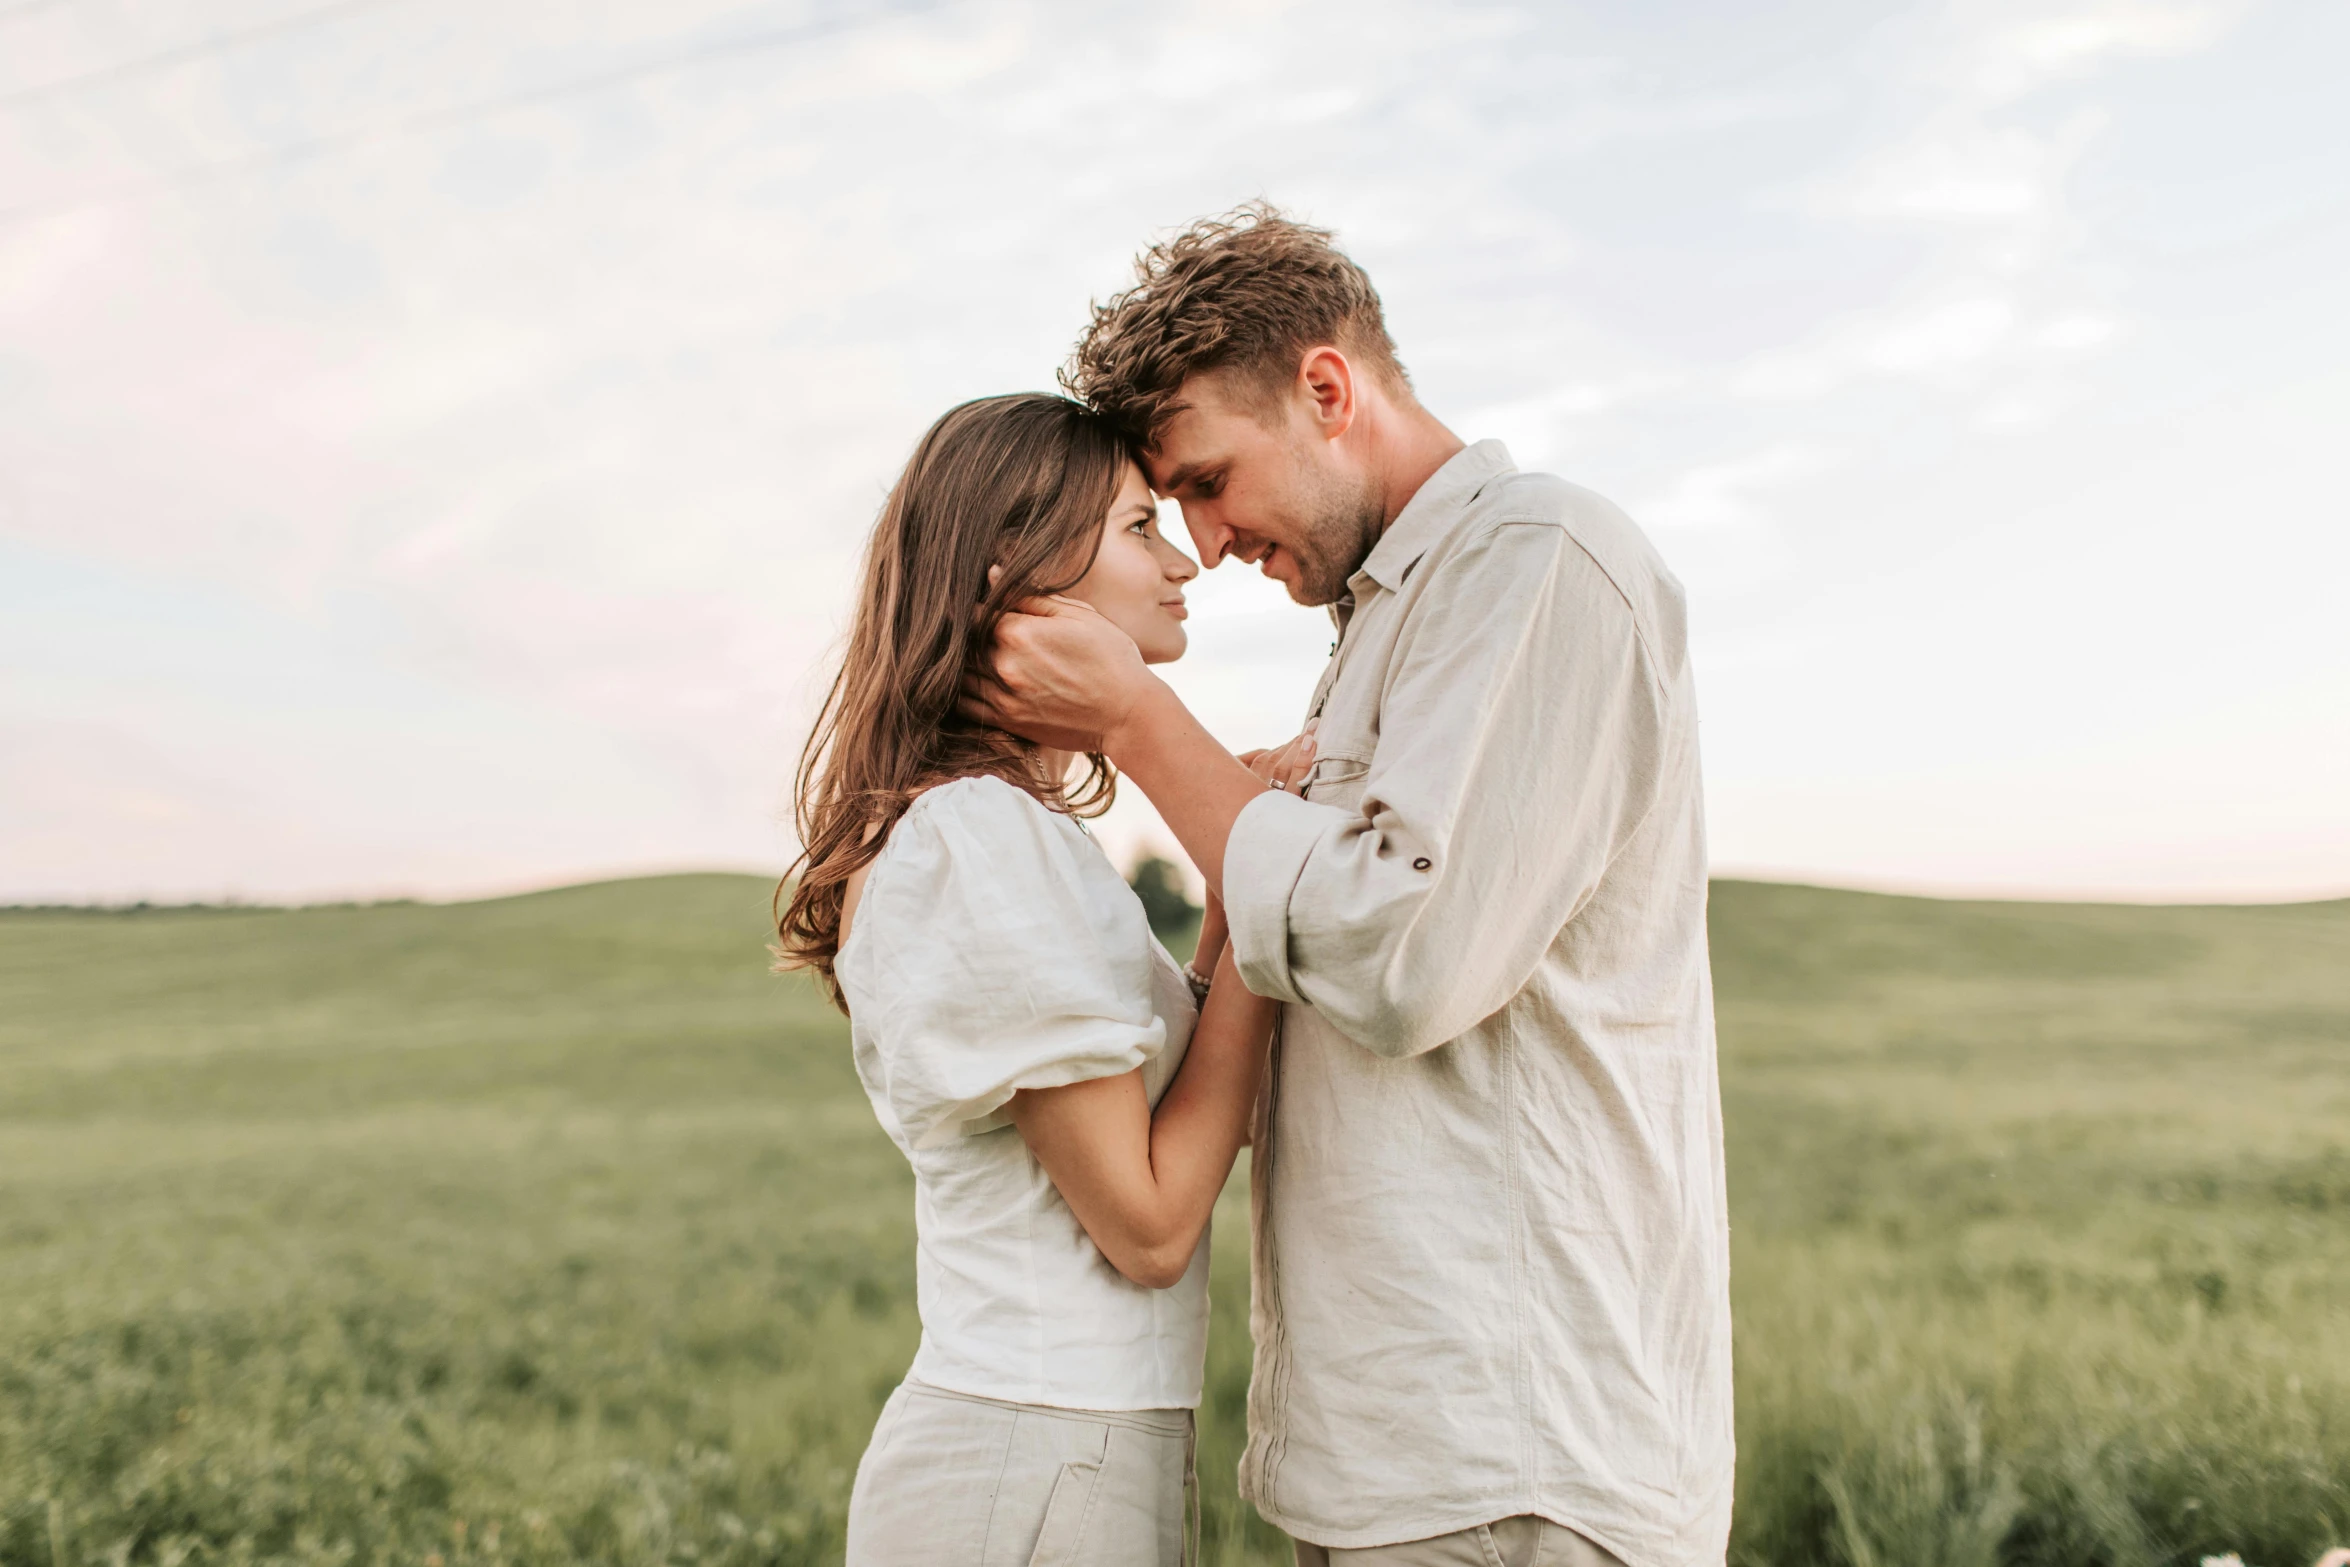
[{"x": 1422, "y": 863}]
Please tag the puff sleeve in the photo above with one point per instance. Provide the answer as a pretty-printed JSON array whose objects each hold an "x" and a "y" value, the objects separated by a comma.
[{"x": 995, "y": 949}]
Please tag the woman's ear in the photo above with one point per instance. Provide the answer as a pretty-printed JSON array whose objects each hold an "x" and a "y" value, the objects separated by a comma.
[{"x": 995, "y": 574}]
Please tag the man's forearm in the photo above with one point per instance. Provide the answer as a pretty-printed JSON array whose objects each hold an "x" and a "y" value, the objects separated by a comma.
[{"x": 1200, "y": 788}]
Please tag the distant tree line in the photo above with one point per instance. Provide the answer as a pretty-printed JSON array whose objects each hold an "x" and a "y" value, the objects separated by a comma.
[{"x": 1159, "y": 884}]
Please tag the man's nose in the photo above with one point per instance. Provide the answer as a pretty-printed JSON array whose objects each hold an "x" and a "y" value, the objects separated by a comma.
[{"x": 1209, "y": 538}]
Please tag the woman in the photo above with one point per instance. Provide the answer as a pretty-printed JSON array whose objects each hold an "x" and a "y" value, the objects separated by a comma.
[{"x": 1070, "y": 1099}]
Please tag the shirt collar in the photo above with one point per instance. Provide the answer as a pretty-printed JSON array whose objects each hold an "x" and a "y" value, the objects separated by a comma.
[{"x": 1431, "y": 513}]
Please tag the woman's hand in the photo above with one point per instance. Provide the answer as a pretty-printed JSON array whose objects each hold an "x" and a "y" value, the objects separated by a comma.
[{"x": 1285, "y": 766}]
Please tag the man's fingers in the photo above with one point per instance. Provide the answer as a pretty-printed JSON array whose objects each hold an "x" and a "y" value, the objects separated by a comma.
[
  {"x": 975, "y": 702},
  {"x": 1050, "y": 606},
  {"x": 983, "y": 698},
  {"x": 986, "y": 687}
]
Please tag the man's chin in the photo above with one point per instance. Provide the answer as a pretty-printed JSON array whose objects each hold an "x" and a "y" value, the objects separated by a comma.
[
  {"x": 1278, "y": 566},
  {"x": 1282, "y": 566},
  {"x": 1301, "y": 586}
]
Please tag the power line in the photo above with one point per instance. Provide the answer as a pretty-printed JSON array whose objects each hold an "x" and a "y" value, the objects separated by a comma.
[
  {"x": 185, "y": 54},
  {"x": 287, "y": 154}
]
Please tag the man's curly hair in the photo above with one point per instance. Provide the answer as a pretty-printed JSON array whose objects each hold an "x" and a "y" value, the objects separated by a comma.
[{"x": 1248, "y": 291}]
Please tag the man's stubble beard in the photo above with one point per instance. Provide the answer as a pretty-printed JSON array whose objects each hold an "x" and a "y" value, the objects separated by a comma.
[{"x": 1338, "y": 530}]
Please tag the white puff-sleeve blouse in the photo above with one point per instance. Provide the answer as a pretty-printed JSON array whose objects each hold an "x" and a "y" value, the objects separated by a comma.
[{"x": 996, "y": 949}]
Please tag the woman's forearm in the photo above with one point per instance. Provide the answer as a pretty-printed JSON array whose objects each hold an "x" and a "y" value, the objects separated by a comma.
[
  {"x": 1202, "y": 1121},
  {"x": 1213, "y": 933}
]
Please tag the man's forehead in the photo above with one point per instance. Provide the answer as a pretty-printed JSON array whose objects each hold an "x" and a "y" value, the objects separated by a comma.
[
  {"x": 1195, "y": 436},
  {"x": 1174, "y": 453}
]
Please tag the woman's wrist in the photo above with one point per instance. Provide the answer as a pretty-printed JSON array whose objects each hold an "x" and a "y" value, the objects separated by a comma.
[
  {"x": 1206, "y": 968},
  {"x": 1214, "y": 933}
]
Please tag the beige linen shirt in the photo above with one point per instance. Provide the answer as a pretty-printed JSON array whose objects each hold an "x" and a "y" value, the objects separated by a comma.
[{"x": 1492, "y": 1254}]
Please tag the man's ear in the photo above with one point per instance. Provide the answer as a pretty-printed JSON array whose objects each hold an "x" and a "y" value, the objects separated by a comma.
[{"x": 1328, "y": 384}]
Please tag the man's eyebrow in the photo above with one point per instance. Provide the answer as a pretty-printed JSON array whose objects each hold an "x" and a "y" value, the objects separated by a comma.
[{"x": 1181, "y": 477}]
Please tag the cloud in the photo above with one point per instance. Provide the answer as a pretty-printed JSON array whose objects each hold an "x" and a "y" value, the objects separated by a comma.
[
  {"x": 2017, "y": 46},
  {"x": 1539, "y": 430},
  {"x": 1941, "y": 337},
  {"x": 1983, "y": 186},
  {"x": 39, "y": 261},
  {"x": 1718, "y": 525}
]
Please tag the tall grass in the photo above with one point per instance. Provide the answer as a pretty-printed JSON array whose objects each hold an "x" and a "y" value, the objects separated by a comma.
[
  {"x": 552, "y": 1230},
  {"x": 2041, "y": 1229}
]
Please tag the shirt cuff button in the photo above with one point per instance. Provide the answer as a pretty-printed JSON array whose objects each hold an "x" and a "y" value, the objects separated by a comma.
[{"x": 1422, "y": 863}]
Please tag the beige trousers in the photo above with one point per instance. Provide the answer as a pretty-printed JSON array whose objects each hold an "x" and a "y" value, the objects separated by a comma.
[
  {"x": 954, "y": 1480},
  {"x": 1506, "y": 1542}
]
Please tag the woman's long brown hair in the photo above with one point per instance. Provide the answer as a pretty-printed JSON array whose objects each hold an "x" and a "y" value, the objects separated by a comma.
[{"x": 1022, "y": 482}]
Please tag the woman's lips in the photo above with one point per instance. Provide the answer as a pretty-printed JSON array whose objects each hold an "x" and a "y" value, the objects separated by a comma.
[{"x": 1175, "y": 608}]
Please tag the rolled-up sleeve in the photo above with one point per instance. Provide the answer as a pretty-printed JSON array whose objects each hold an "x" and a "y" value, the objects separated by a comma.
[
  {"x": 1519, "y": 741},
  {"x": 1272, "y": 839}
]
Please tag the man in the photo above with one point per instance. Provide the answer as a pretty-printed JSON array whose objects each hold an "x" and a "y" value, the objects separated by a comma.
[{"x": 1491, "y": 1289}]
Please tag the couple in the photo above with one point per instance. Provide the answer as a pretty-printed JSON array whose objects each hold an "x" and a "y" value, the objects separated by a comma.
[{"x": 1452, "y": 981}]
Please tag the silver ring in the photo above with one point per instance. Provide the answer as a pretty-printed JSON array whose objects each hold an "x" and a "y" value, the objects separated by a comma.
[{"x": 1278, "y": 784}]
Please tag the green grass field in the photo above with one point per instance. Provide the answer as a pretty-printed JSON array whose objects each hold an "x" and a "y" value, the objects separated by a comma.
[{"x": 553, "y": 1229}]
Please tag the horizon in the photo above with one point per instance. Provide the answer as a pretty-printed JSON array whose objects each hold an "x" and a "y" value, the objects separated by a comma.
[{"x": 1718, "y": 877}]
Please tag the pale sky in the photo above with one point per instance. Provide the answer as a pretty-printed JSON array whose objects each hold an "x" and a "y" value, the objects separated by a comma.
[{"x": 436, "y": 439}]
